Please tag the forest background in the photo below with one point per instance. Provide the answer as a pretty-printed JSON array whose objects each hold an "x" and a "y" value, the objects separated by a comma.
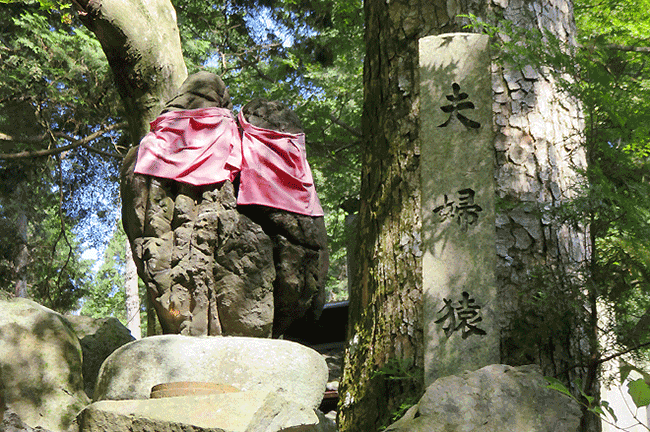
[{"x": 63, "y": 134}]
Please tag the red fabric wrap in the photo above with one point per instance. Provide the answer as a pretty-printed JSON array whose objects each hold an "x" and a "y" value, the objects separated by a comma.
[
  {"x": 275, "y": 172},
  {"x": 203, "y": 146},
  {"x": 200, "y": 146}
]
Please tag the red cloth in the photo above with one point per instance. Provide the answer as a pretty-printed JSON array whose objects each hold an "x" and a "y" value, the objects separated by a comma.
[
  {"x": 200, "y": 146},
  {"x": 275, "y": 172}
]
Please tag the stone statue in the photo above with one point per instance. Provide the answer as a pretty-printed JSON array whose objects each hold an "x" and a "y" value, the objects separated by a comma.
[{"x": 213, "y": 266}]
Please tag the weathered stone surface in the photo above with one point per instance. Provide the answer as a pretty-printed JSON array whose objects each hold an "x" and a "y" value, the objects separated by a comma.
[
  {"x": 461, "y": 304},
  {"x": 98, "y": 339},
  {"x": 494, "y": 398},
  {"x": 200, "y": 90},
  {"x": 210, "y": 267},
  {"x": 253, "y": 411},
  {"x": 11, "y": 422},
  {"x": 40, "y": 363},
  {"x": 301, "y": 260},
  {"x": 292, "y": 370}
]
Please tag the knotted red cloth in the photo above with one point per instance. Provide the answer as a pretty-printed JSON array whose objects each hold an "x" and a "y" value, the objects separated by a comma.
[
  {"x": 203, "y": 146},
  {"x": 275, "y": 172},
  {"x": 200, "y": 146}
]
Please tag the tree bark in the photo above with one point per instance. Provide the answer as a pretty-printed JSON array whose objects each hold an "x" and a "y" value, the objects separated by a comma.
[
  {"x": 537, "y": 131},
  {"x": 142, "y": 44}
]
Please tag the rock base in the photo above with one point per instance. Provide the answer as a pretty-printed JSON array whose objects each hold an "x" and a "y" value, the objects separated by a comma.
[
  {"x": 494, "y": 398},
  {"x": 294, "y": 371},
  {"x": 252, "y": 411}
]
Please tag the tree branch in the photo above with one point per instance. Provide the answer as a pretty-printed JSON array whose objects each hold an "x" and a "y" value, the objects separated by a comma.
[
  {"x": 102, "y": 152},
  {"x": 602, "y": 360},
  {"x": 354, "y": 131},
  {"x": 619, "y": 47},
  {"x": 56, "y": 150},
  {"x": 26, "y": 140},
  {"x": 630, "y": 48}
]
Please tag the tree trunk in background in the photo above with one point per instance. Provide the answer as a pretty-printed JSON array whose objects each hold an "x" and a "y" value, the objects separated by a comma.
[
  {"x": 537, "y": 131},
  {"x": 22, "y": 257},
  {"x": 142, "y": 44},
  {"x": 132, "y": 295}
]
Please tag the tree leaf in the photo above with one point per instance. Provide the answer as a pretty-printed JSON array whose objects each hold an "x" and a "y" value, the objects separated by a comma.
[
  {"x": 639, "y": 390},
  {"x": 609, "y": 410},
  {"x": 555, "y": 384}
]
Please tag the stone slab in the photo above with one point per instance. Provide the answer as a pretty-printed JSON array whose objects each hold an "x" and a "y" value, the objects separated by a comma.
[
  {"x": 253, "y": 411},
  {"x": 291, "y": 370},
  {"x": 458, "y": 194}
]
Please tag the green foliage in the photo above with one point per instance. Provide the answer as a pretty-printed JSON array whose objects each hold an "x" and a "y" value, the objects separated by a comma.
[
  {"x": 309, "y": 55},
  {"x": 639, "y": 389},
  {"x": 399, "y": 372},
  {"x": 107, "y": 296},
  {"x": 607, "y": 70},
  {"x": 38, "y": 248},
  {"x": 56, "y": 87},
  {"x": 398, "y": 369},
  {"x": 600, "y": 408}
]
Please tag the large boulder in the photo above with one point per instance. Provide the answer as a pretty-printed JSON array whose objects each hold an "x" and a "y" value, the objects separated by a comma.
[
  {"x": 98, "y": 339},
  {"x": 41, "y": 365},
  {"x": 295, "y": 372},
  {"x": 494, "y": 398}
]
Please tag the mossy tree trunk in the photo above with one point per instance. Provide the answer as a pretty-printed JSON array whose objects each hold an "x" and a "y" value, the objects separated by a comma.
[{"x": 537, "y": 131}]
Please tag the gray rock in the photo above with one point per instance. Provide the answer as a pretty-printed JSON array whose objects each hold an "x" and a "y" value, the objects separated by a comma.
[
  {"x": 98, "y": 339},
  {"x": 325, "y": 424},
  {"x": 11, "y": 422},
  {"x": 494, "y": 398},
  {"x": 301, "y": 259},
  {"x": 252, "y": 411},
  {"x": 295, "y": 372},
  {"x": 208, "y": 268},
  {"x": 40, "y": 363}
]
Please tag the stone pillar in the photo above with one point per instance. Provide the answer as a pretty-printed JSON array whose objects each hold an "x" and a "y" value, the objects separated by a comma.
[{"x": 458, "y": 196}]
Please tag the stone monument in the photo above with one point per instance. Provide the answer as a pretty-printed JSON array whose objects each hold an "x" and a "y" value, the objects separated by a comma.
[
  {"x": 458, "y": 215},
  {"x": 211, "y": 266}
]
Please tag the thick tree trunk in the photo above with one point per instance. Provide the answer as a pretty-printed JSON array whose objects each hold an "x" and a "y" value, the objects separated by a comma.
[
  {"x": 537, "y": 132},
  {"x": 142, "y": 44}
]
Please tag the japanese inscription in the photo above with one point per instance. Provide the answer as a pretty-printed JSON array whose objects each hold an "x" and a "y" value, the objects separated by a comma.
[
  {"x": 464, "y": 210},
  {"x": 461, "y": 304},
  {"x": 464, "y": 315},
  {"x": 457, "y": 104}
]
